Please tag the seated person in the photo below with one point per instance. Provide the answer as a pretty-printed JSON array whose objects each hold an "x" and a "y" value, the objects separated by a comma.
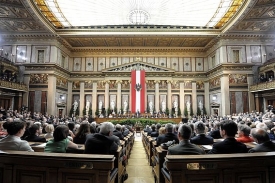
[
  {"x": 153, "y": 129},
  {"x": 82, "y": 132},
  {"x": 35, "y": 130},
  {"x": 215, "y": 132},
  {"x": 60, "y": 141},
  {"x": 229, "y": 145},
  {"x": 13, "y": 141},
  {"x": 101, "y": 143},
  {"x": 49, "y": 131},
  {"x": 168, "y": 136},
  {"x": 201, "y": 138},
  {"x": 264, "y": 144},
  {"x": 244, "y": 132},
  {"x": 185, "y": 147},
  {"x": 156, "y": 132},
  {"x": 117, "y": 132}
]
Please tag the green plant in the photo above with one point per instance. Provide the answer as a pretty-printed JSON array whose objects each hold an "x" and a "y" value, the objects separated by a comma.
[
  {"x": 185, "y": 111},
  {"x": 96, "y": 112},
  {"x": 167, "y": 111},
  {"x": 90, "y": 112},
  {"x": 204, "y": 110},
  {"x": 191, "y": 110},
  {"x": 77, "y": 112},
  {"x": 109, "y": 111},
  {"x": 179, "y": 112},
  {"x": 84, "y": 111},
  {"x": 142, "y": 122},
  {"x": 71, "y": 111}
]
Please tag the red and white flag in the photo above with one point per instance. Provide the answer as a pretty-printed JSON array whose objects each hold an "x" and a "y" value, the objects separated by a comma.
[{"x": 138, "y": 91}]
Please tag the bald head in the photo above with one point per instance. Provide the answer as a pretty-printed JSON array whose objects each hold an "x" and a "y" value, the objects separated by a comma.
[{"x": 260, "y": 135}]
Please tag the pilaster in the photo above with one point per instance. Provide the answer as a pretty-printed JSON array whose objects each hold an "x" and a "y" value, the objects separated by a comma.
[
  {"x": 51, "y": 106},
  {"x": 81, "y": 98},
  {"x": 225, "y": 102},
  {"x": 156, "y": 95}
]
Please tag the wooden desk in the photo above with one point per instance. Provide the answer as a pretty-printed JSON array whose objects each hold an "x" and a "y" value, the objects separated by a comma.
[
  {"x": 24, "y": 167},
  {"x": 220, "y": 168}
]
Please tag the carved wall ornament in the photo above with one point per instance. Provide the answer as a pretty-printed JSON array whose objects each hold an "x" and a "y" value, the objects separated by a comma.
[
  {"x": 125, "y": 84},
  {"x": 101, "y": 84},
  {"x": 88, "y": 84},
  {"x": 76, "y": 84},
  {"x": 150, "y": 84},
  {"x": 163, "y": 84},
  {"x": 237, "y": 79},
  {"x": 200, "y": 85},
  {"x": 215, "y": 82},
  {"x": 112, "y": 84},
  {"x": 39, "y": 79},
  {"x": 187, "y": 85},
  {"x": 175, "y": 84},
  {"x": 60, "y": 81}
]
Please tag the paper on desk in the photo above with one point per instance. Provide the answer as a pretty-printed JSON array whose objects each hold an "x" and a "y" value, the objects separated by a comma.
[
  {"x": 41, "y": 145},
  {"x": 207, "y": 146}
]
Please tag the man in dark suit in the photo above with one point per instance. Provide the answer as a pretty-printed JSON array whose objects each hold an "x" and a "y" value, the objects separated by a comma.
[
  {"x": 101, "y": 143},
  {"x": 264, "y": 144},
  {"x": 201, "y": 138},
  {"x": 117, "y": 132},
  {"x": 185, "y": 147},
  {"x": 35, "y": 130},
  {"x": 168, "y": 136},
  {"x": 215, "y": 132},
  {"x": 228, "y": 130}
]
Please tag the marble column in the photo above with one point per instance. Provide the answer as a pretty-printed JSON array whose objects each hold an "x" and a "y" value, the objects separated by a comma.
[
  {"x": 206, "y": 97},
  {"x": 69, "y": 97},
  {"x": 51, "y": 106},
  {"x": 181, "y": 99},
  {"x": 81, "y": 98},
  {"x": 225, "y": 101},
  {"x": 251, "y": 99},
  {"x": 25, "y": 101},
  {"x": 94, "y": 100},
  {"x": 106, "y": 96},
  {"x": 169, "y": 95},
  {"x": 156, "y": 95},
  {"x": 194, "y": 97},
  {"x": 118, "y": 102}
]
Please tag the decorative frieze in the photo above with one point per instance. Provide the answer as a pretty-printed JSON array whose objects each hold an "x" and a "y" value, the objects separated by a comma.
[{"x": 38, "y": 78}]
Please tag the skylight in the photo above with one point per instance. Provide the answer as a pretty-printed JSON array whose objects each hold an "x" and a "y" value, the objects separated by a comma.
[{"x": 199, "y": 13}]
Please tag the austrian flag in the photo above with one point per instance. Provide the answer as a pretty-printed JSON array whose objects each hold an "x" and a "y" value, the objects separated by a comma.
[{"x": 138, "y": 91}]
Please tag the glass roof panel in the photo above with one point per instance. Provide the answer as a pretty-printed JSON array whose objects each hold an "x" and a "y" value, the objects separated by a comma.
[{"x": 139, "y": 12}]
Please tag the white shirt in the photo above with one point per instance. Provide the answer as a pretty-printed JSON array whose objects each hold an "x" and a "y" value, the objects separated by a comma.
[{"x": 13, "y": 142}]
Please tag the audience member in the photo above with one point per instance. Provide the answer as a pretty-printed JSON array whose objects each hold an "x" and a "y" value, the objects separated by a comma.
[
  {"x": 83, "y": 131},
  {"x": 264, "y": 144},
  {"x": 35, "y": 130},
  {"x": 162, "y": 131},
  {"x": 228, "y": 130},
  {"x": 185, "y": 147},
  {"x": 13, "y": 140},
  {"x": 201, "y": 138},
  {"x": 101, "y": 143},
  {"x": 60, "y": 141},
  {"x": 243, "y": 133},
  {"x": 49, "y": 131},
  {"x": 215, "y": 132},
  {"x": 168, "y": 136},
  {"x": 117, "y": 132}
]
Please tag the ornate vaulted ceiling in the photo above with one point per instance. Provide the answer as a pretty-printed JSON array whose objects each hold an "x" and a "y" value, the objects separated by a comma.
[{"x": 23, "y": 18}]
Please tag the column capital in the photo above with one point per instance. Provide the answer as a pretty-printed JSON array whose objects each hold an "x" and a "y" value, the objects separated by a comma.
[
  {"x": 118, "y": 81},
  {"x": 157, "y": 81}
]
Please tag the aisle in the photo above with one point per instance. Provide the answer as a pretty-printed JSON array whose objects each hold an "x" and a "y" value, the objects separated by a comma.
[{"x": 138, "y": 168}]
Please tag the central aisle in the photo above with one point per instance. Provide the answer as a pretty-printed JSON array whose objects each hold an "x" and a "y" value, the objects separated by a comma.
[{"x": 138, "y": 168}]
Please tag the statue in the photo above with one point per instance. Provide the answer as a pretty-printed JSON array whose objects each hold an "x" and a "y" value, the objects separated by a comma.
[
  {"x": 125, "y": 106},
  {"x": 87, "y": 105},
  {"x": 113, "y": 105},
  {"x": 175, "y": 104},
  {"x": 163, "y": 106},
  {"x": 188, "y": 105},
  {"x": 151, "y": 106},
  {"x": 75, "y": 105},
  {"x": 100, "y": 104},
  {"x": 200, "y": 105}
]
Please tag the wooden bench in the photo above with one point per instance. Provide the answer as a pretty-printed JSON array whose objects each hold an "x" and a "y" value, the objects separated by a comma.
[
  {"x": 220, "y": 168},
  {"x": 38, "y": 167}
]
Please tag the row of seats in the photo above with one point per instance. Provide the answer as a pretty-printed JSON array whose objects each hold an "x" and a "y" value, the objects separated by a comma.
[{"x": 210, "y": 168}]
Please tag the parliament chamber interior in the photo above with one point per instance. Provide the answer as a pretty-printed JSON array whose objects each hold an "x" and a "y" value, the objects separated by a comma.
[{"x": 109, "y": 91}]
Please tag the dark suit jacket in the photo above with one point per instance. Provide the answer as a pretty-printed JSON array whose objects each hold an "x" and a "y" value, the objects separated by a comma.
[
  {"x": 154, "y": 134},
  {"x": 215, "y": 134},
  {"x": 263, "y": 147},
  {"x": 228, "y": 146},
  {"x": 167, "y": 137},
  {"x": 118, "y": 134},
  {"x": 202, "y": 139},
  {"x": 100, "y": 144},
  {"x": 35, "y": 138},
  {"x": 185, "y": 148}
]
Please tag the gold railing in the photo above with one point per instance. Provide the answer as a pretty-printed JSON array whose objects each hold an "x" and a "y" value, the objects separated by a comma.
[
  {"x": 269, "y": 85},
  {"x": 13, "y": 86}
]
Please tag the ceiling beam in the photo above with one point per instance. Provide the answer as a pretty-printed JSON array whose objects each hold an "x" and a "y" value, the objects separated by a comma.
[
  {"x": 4, "y": 4},
  {"x": 15, "y": 19}
]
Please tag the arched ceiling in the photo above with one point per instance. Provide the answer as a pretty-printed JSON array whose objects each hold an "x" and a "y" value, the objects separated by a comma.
[{"x": 26, "y": 18}]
